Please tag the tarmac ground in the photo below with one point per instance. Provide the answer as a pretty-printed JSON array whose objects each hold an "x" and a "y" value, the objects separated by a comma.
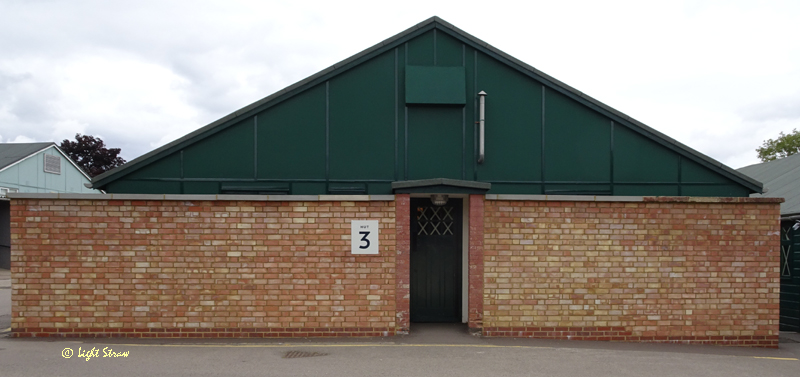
[{"x": 429, "y": 350}]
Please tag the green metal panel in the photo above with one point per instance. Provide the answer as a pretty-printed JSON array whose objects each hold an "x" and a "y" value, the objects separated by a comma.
[
  {"x": 228, "y": 154},
  {"x": 379, "y": 188},
  {"x": 254, "y": 188},
  {"x": 347, "y": 188},
  {"x": 144, "y": 187},
  {"x": 362, "y": 121},
  {"x": 420, "y": 50},
  {"x": 449, "y": 51},
  {"x": 200, "y": 188},
  {"x": 469, "y": 128},
  {"x": 714, "y": 190},
  {"x": 692, "y": 172},
  {"x": 516, "y": 188},
  {"x": 435, "y": 85},
  {"x": 576, "y": 189},
  {"x": 649, "y": 190},
  {"x": 638, "y": 159},
  {"x": 308, "y": 188},
  {"x": 167, "y": 167},
  {"x": 513, "y": 148},
  {"x": 577, "y": 141},
  {"x": 401, "y": 171},
  {"x": 434, "y": 142},
  {"x": 291, "y": 138}
]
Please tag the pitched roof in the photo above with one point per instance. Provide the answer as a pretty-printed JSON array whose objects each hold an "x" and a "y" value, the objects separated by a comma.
[
  {"x": 14, "y": 153},
  {"x": 388, "y": 44},
  {"x": 782, "y": 179},
  {"x": 11, "y": 153}
]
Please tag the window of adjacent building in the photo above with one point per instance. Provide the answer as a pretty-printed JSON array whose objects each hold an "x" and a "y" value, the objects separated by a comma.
[{"x": 52, "y": 164}]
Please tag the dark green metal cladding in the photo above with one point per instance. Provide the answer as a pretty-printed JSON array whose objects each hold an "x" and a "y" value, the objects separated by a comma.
[
  {"x": 434, "y": 142},
  {"x": 790, "y": 277},
  {"x": 291, "y": 138},
  {"x": 576, "y": 142},
  {"x": 407, "y": 109},
  {"x": 435, "y": 85},
  {"x": 229, "y": 154},
  {"x": 361, "y": 121},
  {"x": 513, "y": 123}
]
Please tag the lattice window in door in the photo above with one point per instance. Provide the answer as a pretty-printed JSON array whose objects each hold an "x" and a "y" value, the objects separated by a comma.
[
  {"x": 786, "y": 251},
  {"x": 435, "y": 221}
]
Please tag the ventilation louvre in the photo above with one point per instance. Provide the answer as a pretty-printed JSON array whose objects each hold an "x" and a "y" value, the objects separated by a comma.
[{"x": 52, "y": 164}]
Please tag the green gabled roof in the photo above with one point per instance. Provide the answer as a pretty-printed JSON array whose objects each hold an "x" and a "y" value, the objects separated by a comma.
[{"x": 388, "y": 44}]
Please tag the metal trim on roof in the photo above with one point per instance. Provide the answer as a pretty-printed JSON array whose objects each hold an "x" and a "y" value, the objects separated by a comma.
[
  {"x": 485, "y": 186},
  {"x": 439, "y": 24}
]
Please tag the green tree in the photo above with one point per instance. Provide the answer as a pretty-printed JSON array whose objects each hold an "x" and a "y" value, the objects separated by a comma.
[
  {"x": 784, "y": 145},
  {"x": 91, "y": 154}
]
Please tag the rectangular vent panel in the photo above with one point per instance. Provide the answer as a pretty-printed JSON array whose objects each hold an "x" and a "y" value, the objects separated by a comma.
[{"x": 52, "y": 164}]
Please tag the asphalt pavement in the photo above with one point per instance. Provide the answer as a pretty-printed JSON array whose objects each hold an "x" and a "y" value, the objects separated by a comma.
[{"x": 430, "y": 350}]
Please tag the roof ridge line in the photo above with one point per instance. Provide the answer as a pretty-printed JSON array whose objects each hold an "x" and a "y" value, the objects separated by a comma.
[{"x": 466, "y": 37}]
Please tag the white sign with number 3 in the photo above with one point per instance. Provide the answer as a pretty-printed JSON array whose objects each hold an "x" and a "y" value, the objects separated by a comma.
[{"x": 364, "y": 236}]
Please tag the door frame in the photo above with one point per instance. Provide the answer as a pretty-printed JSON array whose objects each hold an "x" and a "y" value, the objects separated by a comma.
[{"x": 464, "y": 249}]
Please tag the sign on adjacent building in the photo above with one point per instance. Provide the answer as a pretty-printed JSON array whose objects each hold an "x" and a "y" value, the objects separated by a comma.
[{"x": 364, "y": 236}]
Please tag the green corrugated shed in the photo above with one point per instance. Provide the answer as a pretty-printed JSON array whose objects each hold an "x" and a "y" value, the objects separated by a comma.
[{"x": 407, "y": 109}]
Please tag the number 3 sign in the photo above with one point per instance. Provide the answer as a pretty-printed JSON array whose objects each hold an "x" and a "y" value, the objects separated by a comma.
[{"x": 364, "y": 236}]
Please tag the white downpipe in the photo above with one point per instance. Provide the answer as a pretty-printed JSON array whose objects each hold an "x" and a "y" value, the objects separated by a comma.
[{"x": 482, "y": 119}]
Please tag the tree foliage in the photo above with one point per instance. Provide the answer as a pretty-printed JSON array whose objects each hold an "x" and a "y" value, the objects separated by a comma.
[
  {"x": 91, "y": 154},
  {"x": 784, "y": 145}
]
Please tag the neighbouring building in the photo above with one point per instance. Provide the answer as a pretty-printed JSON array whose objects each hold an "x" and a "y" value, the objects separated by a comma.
[
  {"x": 34, "y": 167},
  {"x": 429, "y": 178},
  {"x": 782, "y": 180}
]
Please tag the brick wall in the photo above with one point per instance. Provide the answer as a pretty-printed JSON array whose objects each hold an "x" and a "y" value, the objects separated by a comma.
[
  {"x": 689, "y": 270},
  {"x": 161, "y": 268},
  {"x": 476, "y": 262}
]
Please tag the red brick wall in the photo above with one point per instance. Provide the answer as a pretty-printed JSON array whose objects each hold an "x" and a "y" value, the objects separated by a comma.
[
  {"x": 403, "y": 260},
  {"x": 475, "y": 280},
  {"x": 199, "y": 269},
  {"x": 662, "y": 270}
]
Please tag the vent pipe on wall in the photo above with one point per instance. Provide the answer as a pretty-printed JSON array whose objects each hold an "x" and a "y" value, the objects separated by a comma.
[{"x": 482, "y": 121}]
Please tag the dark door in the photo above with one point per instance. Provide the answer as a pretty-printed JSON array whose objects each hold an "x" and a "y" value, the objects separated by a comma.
[
  {"x": 790, "y": 277},
  {"x": 435, "y": 261}
]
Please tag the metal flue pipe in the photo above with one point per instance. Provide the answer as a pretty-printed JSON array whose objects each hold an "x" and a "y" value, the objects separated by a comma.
[{"x": 482, "y": 121}]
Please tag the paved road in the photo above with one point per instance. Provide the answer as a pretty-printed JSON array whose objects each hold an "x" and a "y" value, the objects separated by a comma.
[
  {"x": 431, "y": 350},
  {"x": 5, "y": 301},
  {"x": 457, "y": 354}
]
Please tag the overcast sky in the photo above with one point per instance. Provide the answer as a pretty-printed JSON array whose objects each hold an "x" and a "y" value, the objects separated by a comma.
[{"x": 719, "y": 76}]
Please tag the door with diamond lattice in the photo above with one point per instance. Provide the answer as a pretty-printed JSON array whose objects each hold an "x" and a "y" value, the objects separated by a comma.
[{"x": 435, "y": 261}]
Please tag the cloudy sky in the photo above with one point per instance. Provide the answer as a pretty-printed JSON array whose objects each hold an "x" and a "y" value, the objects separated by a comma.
[{"x": 719, "y": 76}]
